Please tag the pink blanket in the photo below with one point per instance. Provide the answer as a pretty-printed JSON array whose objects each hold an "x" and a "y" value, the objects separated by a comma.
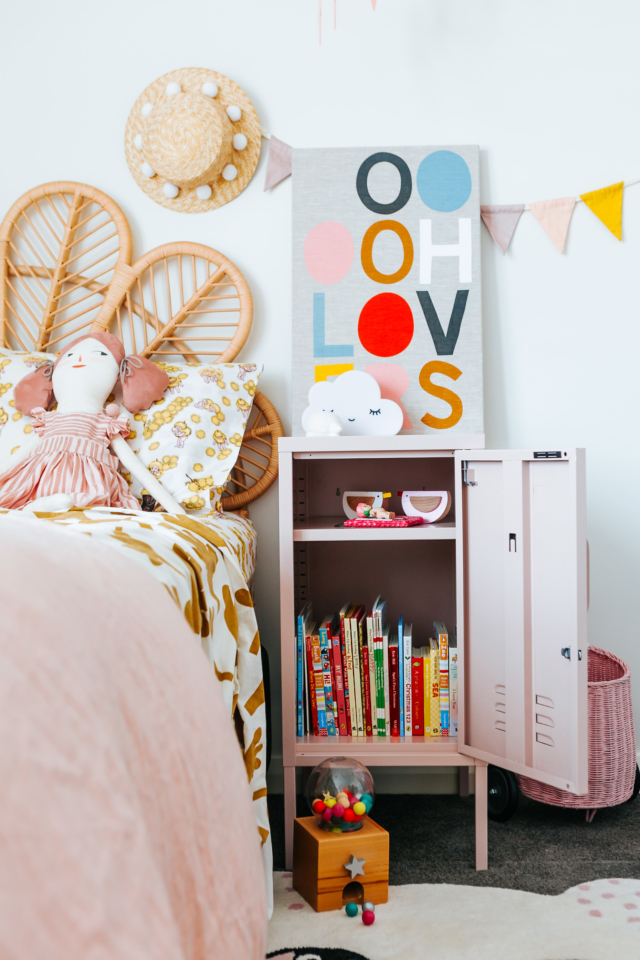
[{"x": 123, "y": 833}]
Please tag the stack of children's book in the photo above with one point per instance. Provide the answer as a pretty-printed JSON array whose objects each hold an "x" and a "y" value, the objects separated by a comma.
[{"x": 357, "y": 678}]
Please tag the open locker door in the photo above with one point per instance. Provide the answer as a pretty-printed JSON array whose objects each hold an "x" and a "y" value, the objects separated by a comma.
[{"x": 523, "y": 613}]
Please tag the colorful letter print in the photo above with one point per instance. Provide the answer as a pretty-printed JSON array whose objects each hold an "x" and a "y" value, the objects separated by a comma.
[{"x": 386, "y": 279}]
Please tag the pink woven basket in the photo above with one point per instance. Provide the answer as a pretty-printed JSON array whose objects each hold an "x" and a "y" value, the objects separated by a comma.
[{"x": 612, "y": 742}]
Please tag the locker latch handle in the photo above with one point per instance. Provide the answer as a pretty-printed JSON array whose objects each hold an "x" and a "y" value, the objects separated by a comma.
[
  {"x": 465, "y": 479},
  {"x": 512, "y": 540},
  {"x": 566, "y": 652}
]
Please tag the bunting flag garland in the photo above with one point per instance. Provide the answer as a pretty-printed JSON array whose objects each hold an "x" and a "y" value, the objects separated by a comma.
[
  {"x": 607, "y": 206},
  {"x": 335, "y": 14},
  {"x": 501, "y": 222},
  {"x": 279, "y": 163},
  {"x": 554, "y": 216}
]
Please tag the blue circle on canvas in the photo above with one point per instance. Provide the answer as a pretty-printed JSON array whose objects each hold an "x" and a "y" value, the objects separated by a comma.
[{"x": 444, "y": 181}]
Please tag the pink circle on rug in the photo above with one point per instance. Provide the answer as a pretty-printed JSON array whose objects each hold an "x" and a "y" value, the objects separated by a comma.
[
  {"x": 633, "y": 919},
  {"x": 592, "y": 913},
  {"x": 614, "y": 881},
  {"x": 328, "y": 252},
  {"x": 584, "y": 886},
  {"x": 296, "y": 906},
  {"x": 582, "y": 900},
  {"x": 629, "y": 906},
  {"x": 608, "y": 896}
]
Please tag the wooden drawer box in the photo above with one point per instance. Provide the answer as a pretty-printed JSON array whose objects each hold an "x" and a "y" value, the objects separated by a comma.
[{"x": 319, "y": 874}]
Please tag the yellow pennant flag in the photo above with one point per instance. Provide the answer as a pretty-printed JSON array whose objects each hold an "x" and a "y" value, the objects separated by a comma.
[{"x": 607, "y": 206}]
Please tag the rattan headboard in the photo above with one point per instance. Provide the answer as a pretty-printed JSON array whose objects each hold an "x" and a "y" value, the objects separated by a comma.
[{"x": 65, "y": 268}]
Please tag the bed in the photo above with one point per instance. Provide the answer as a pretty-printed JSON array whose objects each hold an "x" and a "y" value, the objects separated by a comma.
[{"x": 65, "y": 269}]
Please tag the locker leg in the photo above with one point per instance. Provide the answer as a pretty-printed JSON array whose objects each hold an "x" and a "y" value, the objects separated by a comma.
[
  {"x": 463, "y": 782},
  {"x": 289, "y": 814},
  {"x": 482, "y": 823}
]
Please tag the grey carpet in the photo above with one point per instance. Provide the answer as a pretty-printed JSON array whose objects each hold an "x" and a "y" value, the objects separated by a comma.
[{"x": 542, "y": 849}]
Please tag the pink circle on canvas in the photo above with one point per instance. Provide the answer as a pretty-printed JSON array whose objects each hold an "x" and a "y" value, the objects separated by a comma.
[{"x": 328, "y": 252}]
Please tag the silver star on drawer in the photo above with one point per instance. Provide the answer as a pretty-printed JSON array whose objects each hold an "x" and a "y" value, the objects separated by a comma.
[{"x": 354, "y": 866}]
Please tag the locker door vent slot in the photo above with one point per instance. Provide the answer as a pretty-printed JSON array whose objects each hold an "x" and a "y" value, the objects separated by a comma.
[
  {"x": 543, "y": 738},
  {"x": 544, "y": 701},
  {"x": 547, "y": 454},
  {"x": 544, "y": 721},
  {"x": 501, "y": 689},
  {"x": 500, "y": 708},
  {"x": 500, "y": 725}
]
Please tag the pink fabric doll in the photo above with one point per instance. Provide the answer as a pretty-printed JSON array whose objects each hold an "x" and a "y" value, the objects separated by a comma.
[{"x": 73, "y": 460}]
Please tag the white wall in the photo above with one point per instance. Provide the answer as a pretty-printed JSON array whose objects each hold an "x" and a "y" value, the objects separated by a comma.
[{"x": 548, "y": 89}]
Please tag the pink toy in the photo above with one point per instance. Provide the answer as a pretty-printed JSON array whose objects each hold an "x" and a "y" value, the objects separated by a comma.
[{"x": 75, "y": 455}]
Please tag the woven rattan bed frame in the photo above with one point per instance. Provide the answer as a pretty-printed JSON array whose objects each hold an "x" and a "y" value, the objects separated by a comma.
[{"x": 65, "y": 268}]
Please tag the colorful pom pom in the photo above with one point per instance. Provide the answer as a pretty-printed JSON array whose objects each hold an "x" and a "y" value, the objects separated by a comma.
[
  {"x": 330, "y": 802},
  {"x": 351, "y": 909},
  {"x": 337, "y": 810},
  {"x": 368, "y": 917},
  {"x": 349, "y": 815},
  {"x": 319, "y": 806},
  {"x": 359, "y": 808},
  {"x": 327, "y": 814}
]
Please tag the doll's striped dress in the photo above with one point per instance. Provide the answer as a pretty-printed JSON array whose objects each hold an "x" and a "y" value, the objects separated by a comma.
[{"x": 71, "y": 457}]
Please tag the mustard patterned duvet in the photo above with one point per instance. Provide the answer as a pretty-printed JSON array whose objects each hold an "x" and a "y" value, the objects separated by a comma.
[{"x": 206, "y": 568}]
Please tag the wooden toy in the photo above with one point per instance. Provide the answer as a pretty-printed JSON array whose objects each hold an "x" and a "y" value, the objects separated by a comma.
[
  {"x": 334, "y": 869},
  {"x": 371, "y": 498},
  {"x": 431, "y": 505}
]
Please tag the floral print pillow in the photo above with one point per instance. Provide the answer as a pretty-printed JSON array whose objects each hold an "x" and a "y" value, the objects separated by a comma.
[
  {"x": 190, "y": 439},
  {"x": 15, "y": 427}
]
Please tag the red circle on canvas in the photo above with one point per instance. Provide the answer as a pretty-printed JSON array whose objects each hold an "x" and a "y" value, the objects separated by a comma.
[
  {"x": 328, "y": 252},
  {"x": 385, "y": 327}
]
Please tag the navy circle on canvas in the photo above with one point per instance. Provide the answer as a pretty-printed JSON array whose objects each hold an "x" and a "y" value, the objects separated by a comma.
[{"x": 444, "y": 181}]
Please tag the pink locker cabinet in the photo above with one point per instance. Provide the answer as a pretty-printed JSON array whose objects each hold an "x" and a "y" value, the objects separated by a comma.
[
  {"x": 522, "y": 612},
  {"x": 507, "y": 569}
]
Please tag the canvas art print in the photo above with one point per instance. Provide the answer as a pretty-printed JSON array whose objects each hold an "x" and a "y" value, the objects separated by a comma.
[{"x": 386, "y": 280}]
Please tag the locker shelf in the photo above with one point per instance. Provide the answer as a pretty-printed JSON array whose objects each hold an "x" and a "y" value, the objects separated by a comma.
[
  {"x": 383, "y": 751},
  {"x": 329, "y": 528}
]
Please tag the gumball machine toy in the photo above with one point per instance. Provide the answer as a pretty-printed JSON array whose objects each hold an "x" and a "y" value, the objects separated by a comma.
[{"x": 340, "y": 856}]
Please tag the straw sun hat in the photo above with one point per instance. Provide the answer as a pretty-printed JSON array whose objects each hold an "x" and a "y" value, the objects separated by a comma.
[{"x": 192, "y": 140}]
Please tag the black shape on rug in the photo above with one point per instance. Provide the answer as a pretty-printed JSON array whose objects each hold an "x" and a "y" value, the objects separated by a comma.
[{"x": 316, "y": 953}]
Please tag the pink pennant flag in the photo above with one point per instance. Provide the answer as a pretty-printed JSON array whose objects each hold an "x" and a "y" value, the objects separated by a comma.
[
  {"x": 373, "y": 3},
  {"x": 554, "y": 217},
  {"x": 501, "y": 222},
  {"x": 278, "y": 163}
]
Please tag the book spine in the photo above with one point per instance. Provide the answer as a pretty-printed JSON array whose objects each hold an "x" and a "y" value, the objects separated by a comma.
[
  {"x": 444, "y": 684},
  {"x": 426, "y": 662},
  {"x": 435, "y": 693},
  {"x": 367, "y": 690},
  {"x": 325, "y": 655},
  {"x": 318, "y": 681},
  {"x": 417, "y": 685},
  {"x": 345, "y": 673},
  {"x": 385, "y": 661},
  {"x": 355, "y": 653},
  {"x": 400, "y": 681},
  {"x": 337, "y": 670},
  {"x": 394, "y": 698},
  {"x": 361, "y": 645},
  {"x": 380, "y": 688},
  {"x": 299, "y": 677},
  {"x": 312, "y": 689},
  {"x": 453, "y": 692},
  {"x": 352, "y": 692},
  {"x": 373, "y": 719},
  {"x": 408, "y": 715}
]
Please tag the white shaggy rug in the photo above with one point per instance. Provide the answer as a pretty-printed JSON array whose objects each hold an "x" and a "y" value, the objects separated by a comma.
[{"x": 594, "y": 921}]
